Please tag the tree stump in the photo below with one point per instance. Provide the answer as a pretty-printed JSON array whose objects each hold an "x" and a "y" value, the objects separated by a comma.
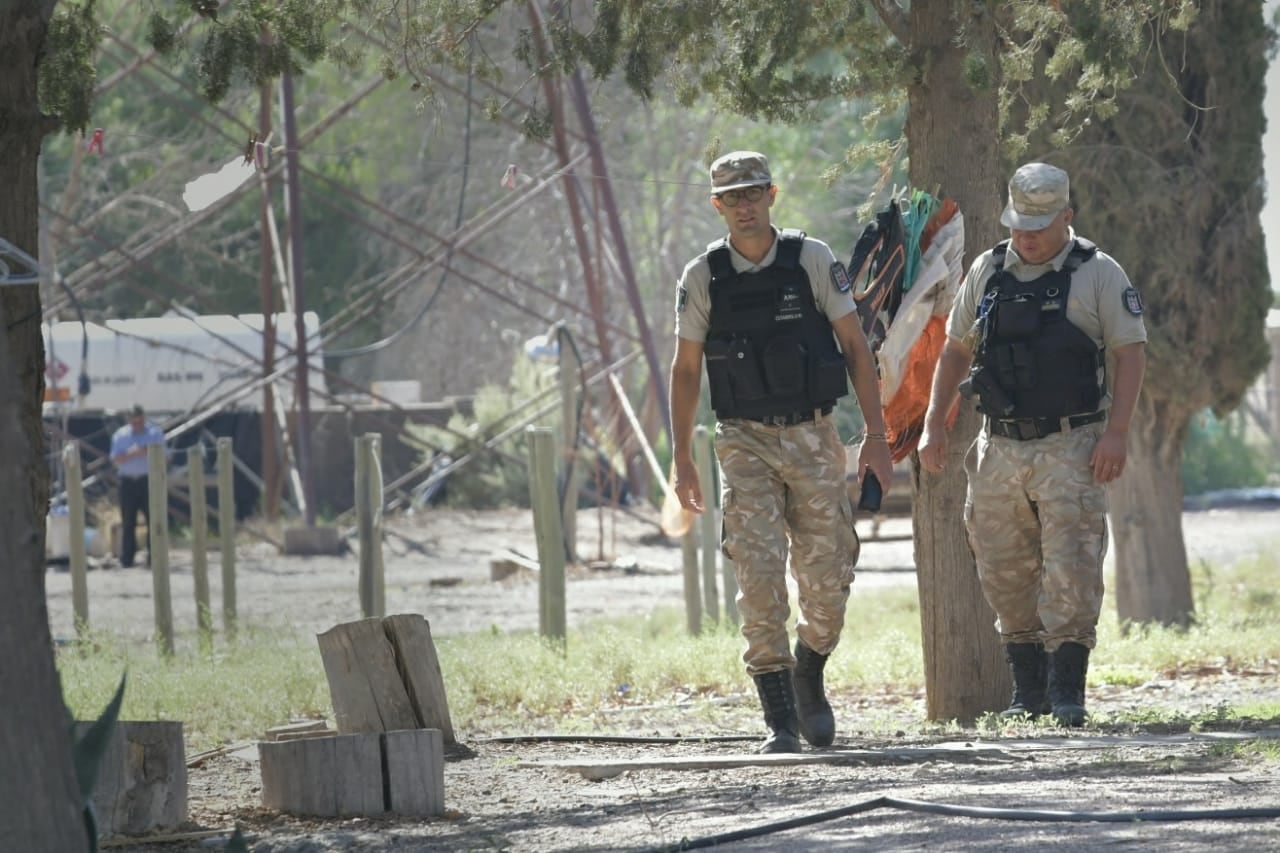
[
  {"x": 366, "y": 775},
  {"x": 142, "y": 781},
  {"x": 338, "y": 776},
  {"x": 384, "y": 675}
]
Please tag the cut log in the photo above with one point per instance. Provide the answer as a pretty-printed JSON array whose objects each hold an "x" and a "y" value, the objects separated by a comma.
[
  {"x": 384, "y": 675},
  {"x": 142, "y": 781},
  {"x": 364, "y": 775},
  {"x": 410, "y": 636},
  {"x": 364, "y": 681},
  {"x": 337, "y": 776},
  {"x": 415, "y": 772}
]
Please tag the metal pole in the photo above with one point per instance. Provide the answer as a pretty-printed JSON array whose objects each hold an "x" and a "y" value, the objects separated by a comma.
[{"x": 293, "y": 201}]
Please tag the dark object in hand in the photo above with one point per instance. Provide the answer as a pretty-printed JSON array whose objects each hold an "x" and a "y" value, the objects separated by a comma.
[{"x": 871, "y": 494}]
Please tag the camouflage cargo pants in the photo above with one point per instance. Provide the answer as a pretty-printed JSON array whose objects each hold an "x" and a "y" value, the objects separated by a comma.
[
  {"x": 786, "y": 485},
  {"x": 1037, "y": 523}
]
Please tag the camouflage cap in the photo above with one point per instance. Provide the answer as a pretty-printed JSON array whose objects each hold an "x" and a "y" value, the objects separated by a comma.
[
  {"x": 1038, "y": 192},
  {"x": 739, "y": 169}
]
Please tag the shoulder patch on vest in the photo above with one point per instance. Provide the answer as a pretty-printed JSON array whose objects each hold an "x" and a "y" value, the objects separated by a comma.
[
  {"x": 1133, "y": 301},
  {"x": 682, "y": 297},
  {"x": 840, "y": 277}
]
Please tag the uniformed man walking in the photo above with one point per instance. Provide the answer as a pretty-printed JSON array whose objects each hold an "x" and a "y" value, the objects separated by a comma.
[
  {"x": 1031, "y": 329},
  {"x": 767, "y": 308}
]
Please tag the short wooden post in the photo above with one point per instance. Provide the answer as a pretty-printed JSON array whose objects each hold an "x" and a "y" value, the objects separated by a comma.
[
  {"x": 158, "y": 543},
  {"x": 199, "y": 544},
  {"x": 368, "y": 494},
  {"x": 550, "y": 534},
  {"x": 227, "y": 534},
  {"x": 75, "y": 521},
  {"x": 338, "y": 776},
  {"x": 568, "y": 460},
  {"x": 707, "y": 522},
  {"x": 142, "y": 778},
  {"x": 692, "y": 586}
]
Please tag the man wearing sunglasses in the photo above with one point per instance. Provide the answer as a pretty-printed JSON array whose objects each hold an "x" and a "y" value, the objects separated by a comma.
[{"x": 772, "y": 315}]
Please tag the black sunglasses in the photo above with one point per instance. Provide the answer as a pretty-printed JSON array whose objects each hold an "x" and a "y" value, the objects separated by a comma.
[{"x": 751, "y": 194}]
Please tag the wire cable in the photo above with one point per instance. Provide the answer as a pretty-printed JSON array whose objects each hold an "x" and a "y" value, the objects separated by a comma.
[
  {"x": 981, "y": 812},
  {"x": 377, "y": 346}
]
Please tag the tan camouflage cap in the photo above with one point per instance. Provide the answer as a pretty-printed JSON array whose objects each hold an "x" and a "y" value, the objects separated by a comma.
[
  {"x": 1038, "y": 192},
  {"x": 739, "y": 169}
]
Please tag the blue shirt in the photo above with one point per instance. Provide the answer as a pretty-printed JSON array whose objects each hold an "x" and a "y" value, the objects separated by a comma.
[{"x": 125, "y": 439}]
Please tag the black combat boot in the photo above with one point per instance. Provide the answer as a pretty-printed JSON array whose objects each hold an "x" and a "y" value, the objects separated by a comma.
[
  {"x": 817, "y": 723},
  {"x": 1030, "y": 667},
  {"x": 779, "y": 702},
  {"x": 1067, "y": 669}
]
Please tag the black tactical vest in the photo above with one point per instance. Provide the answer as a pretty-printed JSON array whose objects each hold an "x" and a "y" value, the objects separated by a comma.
[
  {"x": 769, "y": 350},
  {"x": 1045, "y": 365}
]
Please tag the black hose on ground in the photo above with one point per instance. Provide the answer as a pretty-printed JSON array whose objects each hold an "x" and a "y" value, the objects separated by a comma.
[{"x": 950, "y": 810}]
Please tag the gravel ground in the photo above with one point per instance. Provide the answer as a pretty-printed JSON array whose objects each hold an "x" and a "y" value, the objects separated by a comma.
[{"x": 506, "y": 796}]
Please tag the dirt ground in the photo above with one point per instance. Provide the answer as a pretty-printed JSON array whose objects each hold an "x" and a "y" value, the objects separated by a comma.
[{"x": 501, "y": 795}]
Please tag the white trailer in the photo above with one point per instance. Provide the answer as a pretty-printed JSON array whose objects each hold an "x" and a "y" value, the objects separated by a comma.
[{"x": 173, "y": 364}]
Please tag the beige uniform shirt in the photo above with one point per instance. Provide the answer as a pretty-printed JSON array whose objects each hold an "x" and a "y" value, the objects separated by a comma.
[
  {"x": 1097, "y": 303},
  {"x": 693, "y": 301}
]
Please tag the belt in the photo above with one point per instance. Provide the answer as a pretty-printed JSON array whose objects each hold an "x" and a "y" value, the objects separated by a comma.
[
  {"x": 1025, "y": 429},
  {"x": 791, "y": 418}
]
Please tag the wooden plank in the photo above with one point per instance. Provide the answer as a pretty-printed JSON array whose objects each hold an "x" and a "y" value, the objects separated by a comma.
[
  {"x": 142, "y": 781},
  {"x": 290, "y": 730},
  {"x": 419, "y": 665},
  {"x": 334, "y": 776},
  {"x": 364, "y": 682},
  {"x": 595, "y": 771},
  {"x": 415, "y": 772}
]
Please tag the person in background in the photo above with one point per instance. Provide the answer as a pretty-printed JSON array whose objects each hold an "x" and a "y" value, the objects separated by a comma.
[
  {"x": 1031, "y": 329},
  {"x": 772, "y": 313},
  {"x": 129, "y": 456}
]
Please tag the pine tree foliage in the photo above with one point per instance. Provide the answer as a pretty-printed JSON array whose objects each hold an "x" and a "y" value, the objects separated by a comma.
[
  {"x": 1175, "y": 191},
  {"x": 773, "y": 60}
]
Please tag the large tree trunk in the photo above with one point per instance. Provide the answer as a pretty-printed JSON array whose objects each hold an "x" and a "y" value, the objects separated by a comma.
[
  {"x": 953, "y": 142},
  {"x": 38, "y": 793},
  {"x": 1152, "y": 581}
]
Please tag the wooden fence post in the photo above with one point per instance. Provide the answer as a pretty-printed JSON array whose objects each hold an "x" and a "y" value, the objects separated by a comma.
[
  {"x": 569, "y": 461},
  {"x": 158, "y": 543},
  {"x": 368, "y": 493},
  {"x": 710, "y": 535},
  {"x": 550, "y": 534},
  {"x": 199, "y": 544},
  {"x": 692, "y": 586},
  {"x": 227, "y": 534},
  {"x": 75, "y": 524}
]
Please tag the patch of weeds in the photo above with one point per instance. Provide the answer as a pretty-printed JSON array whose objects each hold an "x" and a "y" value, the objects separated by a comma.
[{"x": 1260, "y": 751}]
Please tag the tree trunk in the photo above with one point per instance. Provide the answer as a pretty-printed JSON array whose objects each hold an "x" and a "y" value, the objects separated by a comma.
[
  {"x": 953, "y": 143},
  {"x": 1153, "y": 583},
  {"x": 39, "y": 807}
]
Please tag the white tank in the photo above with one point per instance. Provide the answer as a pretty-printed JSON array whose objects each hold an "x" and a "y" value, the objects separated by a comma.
[{"x": 173, "y": 365}]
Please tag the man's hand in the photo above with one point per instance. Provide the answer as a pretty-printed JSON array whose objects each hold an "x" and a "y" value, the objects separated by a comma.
[
  {"x": 873, "y": 453},
  {"x": 1109, "y": 455},
  {"x": 686, "y": 485},
  {"x": 933, "y": 449}
]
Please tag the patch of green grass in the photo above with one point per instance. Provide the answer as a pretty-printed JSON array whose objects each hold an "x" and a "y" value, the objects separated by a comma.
[
  {"x": 517, "y": 682},
  {"x": 265, "y": 679},
  {"x": 1261, "y": 751}
]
